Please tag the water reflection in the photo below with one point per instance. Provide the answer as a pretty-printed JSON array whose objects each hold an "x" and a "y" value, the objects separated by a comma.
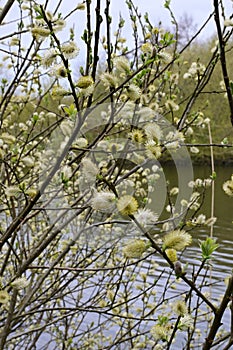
[{"x": 222, "y": 263}]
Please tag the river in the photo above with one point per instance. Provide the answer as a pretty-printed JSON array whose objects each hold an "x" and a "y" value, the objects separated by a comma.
[{"x": 222, "y": 263}]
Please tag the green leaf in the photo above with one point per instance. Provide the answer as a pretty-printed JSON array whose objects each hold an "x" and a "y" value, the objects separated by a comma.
[
  {"x": 162, "y": 320},
  {"x": 168, "y": 39},
  {"x": 38, "y": 10},
  {"x": 167, "y": 4},
  {"x": 71, "y": 110},
  {"x": 231, "y": 86},
  {"x": 208, "y": 247},
  {"x": 213, "y": 176},
  {"x": 84, "y": 37}
]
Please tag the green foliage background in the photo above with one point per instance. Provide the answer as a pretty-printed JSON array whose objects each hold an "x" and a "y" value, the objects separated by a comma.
[{"x": 211, "y": 101}]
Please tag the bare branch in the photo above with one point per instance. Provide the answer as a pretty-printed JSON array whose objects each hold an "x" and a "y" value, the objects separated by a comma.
[{"x": 6, "y": 9}]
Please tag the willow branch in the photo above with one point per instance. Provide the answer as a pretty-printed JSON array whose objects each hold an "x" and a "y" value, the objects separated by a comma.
[
  {"x": 7, "y": 328},
  {"x": 190, "y": 283},
  {"x": 223, "y": 60},
  {"x": 6, "y": 9},
  {"x": 218, "y": 316},
  {"x": 88, "y": 38}
]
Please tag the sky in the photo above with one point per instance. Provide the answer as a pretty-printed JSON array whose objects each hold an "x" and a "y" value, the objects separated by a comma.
[{"x": 199, "y": 10}]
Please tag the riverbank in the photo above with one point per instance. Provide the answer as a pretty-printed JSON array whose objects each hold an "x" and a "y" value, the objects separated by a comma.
[{"x": 223, "y": 158}]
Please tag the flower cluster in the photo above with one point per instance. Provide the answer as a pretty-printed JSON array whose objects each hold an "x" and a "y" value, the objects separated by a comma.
[
  {"x": 202, "y": 220},
  {"x": 228, "y": 22},
  {"x": 109, "y": 80},
  {"x": 200, "y": 183},
  {"x": 153, "y": 136},
  {"x": 177, "y": 239},
  {"x": 58, "y": 70},
  {"x": 153, "y": 151},
  {"x": 146, "y": 217},
  {"x": 103, "y": 201},
  {"x": 171, "y": 105},
  {"x": 41, "y": 31},
  {"x": 127, "y": 205},
  {"x": 84, "y": 82},
  {"x": 20, "y": 283},
  {"x": 186, "y": 322},
  {"x": 173, "y": 140},
  {"x": 160, "y": 332},
  {"x": 49, "y": 58},
  {"x": 195, "y": 71},
  {"x": 153, "y": 131},
  {"x": 122, "y": 64},
  {"x": 135, "y": 249},
  {"x": 89, "y": 170},
  {"x": 4, "y": 296},
  {"x": 228, "y": 187},
  {"x": 180, "y": 308},
  {"x": 133, "y": 92},
  {"x": 70, "y": 50},
  {"x": 136, "y": 135}
]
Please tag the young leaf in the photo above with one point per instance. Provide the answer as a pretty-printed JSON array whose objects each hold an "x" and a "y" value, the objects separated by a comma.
[{"x": 208, "y": 247}]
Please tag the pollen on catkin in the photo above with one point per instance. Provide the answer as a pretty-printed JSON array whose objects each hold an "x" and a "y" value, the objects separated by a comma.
[
  {"x": 109, "y": 80},
  {"x": 49, "y": 58},
  {"x": 59, "y": 70},
  {"x": 40, "y": 32},
  {"x": 127, "y": 205},
  {"x": 180, "y": 308},
  {"x": 84, "y": 82},
  {"x": 135, "y": 249},
  {"x": 171, "y": 254},
  {"x": 153, "y": 151},
  {"x": 228, "y": 187},
  {"x": 122, "y": 64},
  {"x": 4, "y": 297},
  {"x": 153, "y": 131},
  {"x": 133, "y": 92},
  {"x": 177, "y": 239},
  {"x": 136, "y": 135},
  {"x": 160, "y": 332},
  {"x": 70, "y": 50}
]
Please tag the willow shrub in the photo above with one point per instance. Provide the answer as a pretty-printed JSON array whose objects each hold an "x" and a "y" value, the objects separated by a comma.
[{"x": 93, "y": 238}]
